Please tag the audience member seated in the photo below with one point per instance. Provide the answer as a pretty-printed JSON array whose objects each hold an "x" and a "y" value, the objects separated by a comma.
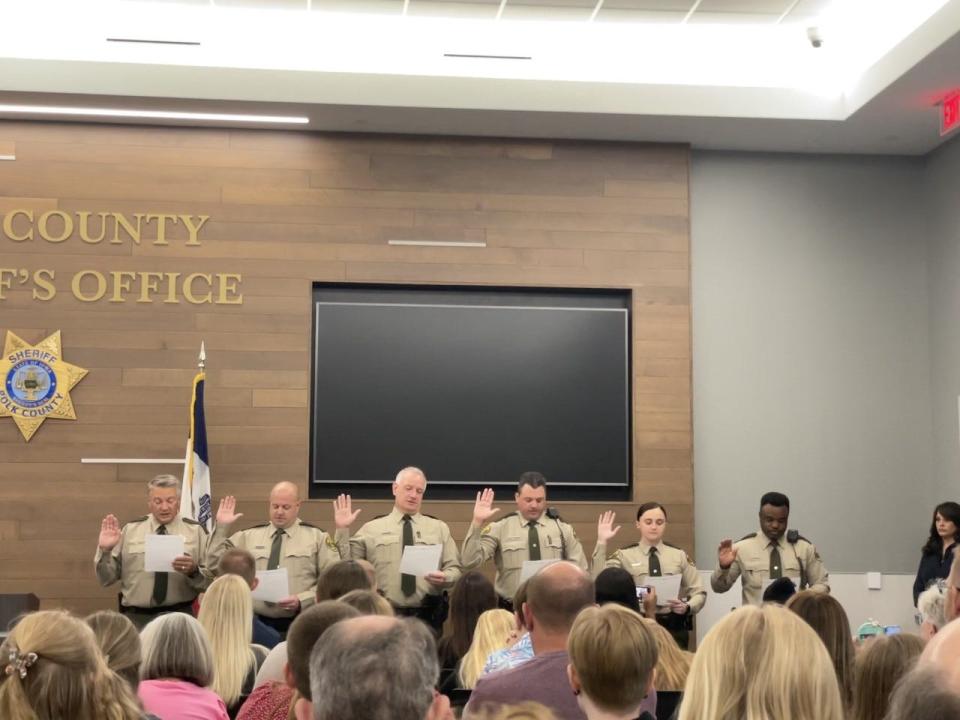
[
  {"x": 177, "y": 670},
  {"x": 554, "y": 597},
  {"x": 779, "y": 591},
  {"x": 274, "y": 700},
  {"x": 227, "y": 616},
  {"x": 472, "y": 596},
  {"x": 616, "y": 585},
  {"x": 523, "y": 711},
  {"x": 612, "y": 660},
  {"x": 375, "y": 668},
  {"x": 342, "y": 577},
  {"x": 119, "y": 643},
  {"x": 368, "y": 602},
  {"x": 673, "y": 664},
  {"x": 765, "y": 663},
  {"x": 923, "y": 694},
  {"x": 522, "y": 650},
  {"x": 495, "y": 630},
  {"x": 826, "y": 616},
  {"x": 882, "y": 661},
  {"x": 237, "y": 561},
  {"x": 52, "y": 669},
  {"x": 930, "y": 605}
]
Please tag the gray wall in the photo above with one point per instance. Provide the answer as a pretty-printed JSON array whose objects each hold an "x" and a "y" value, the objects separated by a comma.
[
  {"x": 811, "y": 352},
  {"x": 943, "y": 214}
]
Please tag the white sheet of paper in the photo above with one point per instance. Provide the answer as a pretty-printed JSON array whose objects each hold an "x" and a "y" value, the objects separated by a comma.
[
  {"x": 420, "y": 560},
  {"x": 667, "y": 587},
  {"x": 274, "y": 585},
  {"x": 161, "y": 550},
  {"x": 532, "y": 567}
]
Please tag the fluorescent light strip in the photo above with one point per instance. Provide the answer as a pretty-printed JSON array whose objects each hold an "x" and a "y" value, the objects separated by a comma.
[
  {"x": 149, "y": 114},
  {"x": 436, "y": 243}
]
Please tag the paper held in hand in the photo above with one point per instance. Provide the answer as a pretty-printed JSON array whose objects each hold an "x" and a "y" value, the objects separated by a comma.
[
  {"x": 532, "y": 567},
  {"x": 420, "y": 560},
  {"x": 274, "y": 585},
  {"x": 161, "y": 551},
  {"x": 667, "y": 588}
]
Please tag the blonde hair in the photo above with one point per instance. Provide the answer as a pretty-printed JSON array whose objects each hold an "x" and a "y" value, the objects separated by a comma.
[
  {"x": 175, "y": 647},
  {"x": 673, "y": 663},
  {"x": 226, "y": 613},
  {"x": 367, "y": 602},
  {"x": 881, "y": 662},
  {"x": 68, "y": 679},
  {"x": 759, "y": 663},
  {"x": 491, "y": 634},
  {"x": 614, "y": 656},
  {"x": 119, "y": 642}
]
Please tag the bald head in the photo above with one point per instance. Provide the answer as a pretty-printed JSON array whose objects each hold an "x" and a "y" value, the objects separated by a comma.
[
  {"x": 942, "y": 655},
  {"x": 555, "y": 596},
  {"x": 284, "y": 504}
]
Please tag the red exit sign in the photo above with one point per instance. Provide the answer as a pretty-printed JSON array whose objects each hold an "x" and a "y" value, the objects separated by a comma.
[{"x": 950, "y": 112}]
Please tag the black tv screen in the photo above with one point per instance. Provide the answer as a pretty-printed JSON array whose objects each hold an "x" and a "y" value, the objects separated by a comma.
[{"x": 474, "y": 386}]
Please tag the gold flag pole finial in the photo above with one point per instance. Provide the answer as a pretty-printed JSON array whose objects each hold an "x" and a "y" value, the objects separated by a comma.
[{"x": 202, "y": 363}]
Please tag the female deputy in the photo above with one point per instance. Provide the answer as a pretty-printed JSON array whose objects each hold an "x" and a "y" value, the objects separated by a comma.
[{"x": 938, "y": 551}]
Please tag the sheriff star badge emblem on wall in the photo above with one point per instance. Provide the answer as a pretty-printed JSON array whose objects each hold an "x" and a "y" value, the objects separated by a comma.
[{"x": 35, "y": 383}]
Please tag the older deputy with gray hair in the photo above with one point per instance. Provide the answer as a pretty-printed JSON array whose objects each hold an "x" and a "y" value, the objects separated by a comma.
[{"x": 121, "y": 553}]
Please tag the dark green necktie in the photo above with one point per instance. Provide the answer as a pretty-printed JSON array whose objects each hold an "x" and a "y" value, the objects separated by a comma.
[
  {"x": 160, "y": 579},
  {"x": 274, "y": 562},
  {"x": 654, "y": 563},
  {"x": 533, "y": 540},
  {"x": 776, "y": 569},
  {"x": 408, "y": 583}
]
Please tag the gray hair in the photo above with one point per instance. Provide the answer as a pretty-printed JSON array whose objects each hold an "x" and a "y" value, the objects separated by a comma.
[
  {"x": 922, "y": 694},
  {"x": 382, "y": 675},
  {"x": 931, "y": 605},
  {"x": 410, "y": 470},
  {"x": 176, "y": 646},
  {"x": 164, "y": 481}
]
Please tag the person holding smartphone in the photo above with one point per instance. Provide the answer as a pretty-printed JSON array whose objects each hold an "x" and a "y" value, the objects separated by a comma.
[{"x": 652, "y": 557}]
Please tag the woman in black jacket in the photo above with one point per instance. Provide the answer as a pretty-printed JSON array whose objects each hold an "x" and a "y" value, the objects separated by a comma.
[{"x": 938, "y": 551}]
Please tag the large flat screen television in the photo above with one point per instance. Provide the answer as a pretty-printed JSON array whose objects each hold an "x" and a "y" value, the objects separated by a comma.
[{"x": 474, "y": 386}]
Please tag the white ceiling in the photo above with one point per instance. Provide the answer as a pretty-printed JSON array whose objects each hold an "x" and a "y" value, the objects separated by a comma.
[{"x": 724, "y": 74}]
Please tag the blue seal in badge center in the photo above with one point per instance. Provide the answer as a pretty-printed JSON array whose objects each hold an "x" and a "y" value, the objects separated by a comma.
[{"x": 31, "y": 383}]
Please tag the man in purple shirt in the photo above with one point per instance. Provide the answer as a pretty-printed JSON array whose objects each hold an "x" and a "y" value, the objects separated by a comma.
[{"x": 554, "y": 597}]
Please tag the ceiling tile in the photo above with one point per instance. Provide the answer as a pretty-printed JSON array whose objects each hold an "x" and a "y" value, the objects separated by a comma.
[
  {"x": 639, "y": 16},
  {"x": 649, "y": 5},
  {"x": 481, "y": 10},
  {"x": 762, "y": 7}
]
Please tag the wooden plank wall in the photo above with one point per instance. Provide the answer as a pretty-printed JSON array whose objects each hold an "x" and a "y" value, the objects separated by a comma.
[{"x": 287, "y": 209}]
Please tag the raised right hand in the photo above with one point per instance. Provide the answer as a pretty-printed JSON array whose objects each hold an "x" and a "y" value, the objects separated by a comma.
[
  {"x": 605, "y": 528},
  {"x": 482, "y": 509},
  {"x": 726, "y": 553},
  {"x": 343, "y": 512},
  {"x": 227, "y": 511},
  {"x": 109, "y": 533}
]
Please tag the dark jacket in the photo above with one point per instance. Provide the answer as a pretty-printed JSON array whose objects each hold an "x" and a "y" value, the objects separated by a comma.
[{"x": 932, "y": 567}]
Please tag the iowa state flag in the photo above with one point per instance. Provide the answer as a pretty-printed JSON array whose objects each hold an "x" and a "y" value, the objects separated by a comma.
[{"x": 195, "y": 496}]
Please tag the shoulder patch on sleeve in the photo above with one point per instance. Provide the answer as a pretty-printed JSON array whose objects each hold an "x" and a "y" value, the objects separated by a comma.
[
  {"x": 331, "y": 544},
  {"x": 486, "y": 529},
  {"x": 747, "y": 537}
]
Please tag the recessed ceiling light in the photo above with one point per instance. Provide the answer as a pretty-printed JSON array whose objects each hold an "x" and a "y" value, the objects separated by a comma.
[{"x": 150, "y": 114}]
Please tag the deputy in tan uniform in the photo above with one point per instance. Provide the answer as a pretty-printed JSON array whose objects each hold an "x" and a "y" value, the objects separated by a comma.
[
  {"x": 121, "y": 551},
  {"x": 533, "y": 532},
  {"x": 285, "y": 542},
  {"x": 652, "y": 557},
  {"x": 770, "y": 554},
  {"x": 381, "y": 541}
]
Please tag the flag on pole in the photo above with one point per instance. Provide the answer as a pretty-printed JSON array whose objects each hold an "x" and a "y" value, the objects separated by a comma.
[{"x": 195, "y": 500}]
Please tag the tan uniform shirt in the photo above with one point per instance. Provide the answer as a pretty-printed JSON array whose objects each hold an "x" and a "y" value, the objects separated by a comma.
[
  {"x": 125, "y": 563},
  {"x": 305, "y": 551},
  {"x": 752, "y": 565},
  {"x": 635, "y": 559},
  {"x": 507, "y": 542},
  {"x": 380, "y": 541}
]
